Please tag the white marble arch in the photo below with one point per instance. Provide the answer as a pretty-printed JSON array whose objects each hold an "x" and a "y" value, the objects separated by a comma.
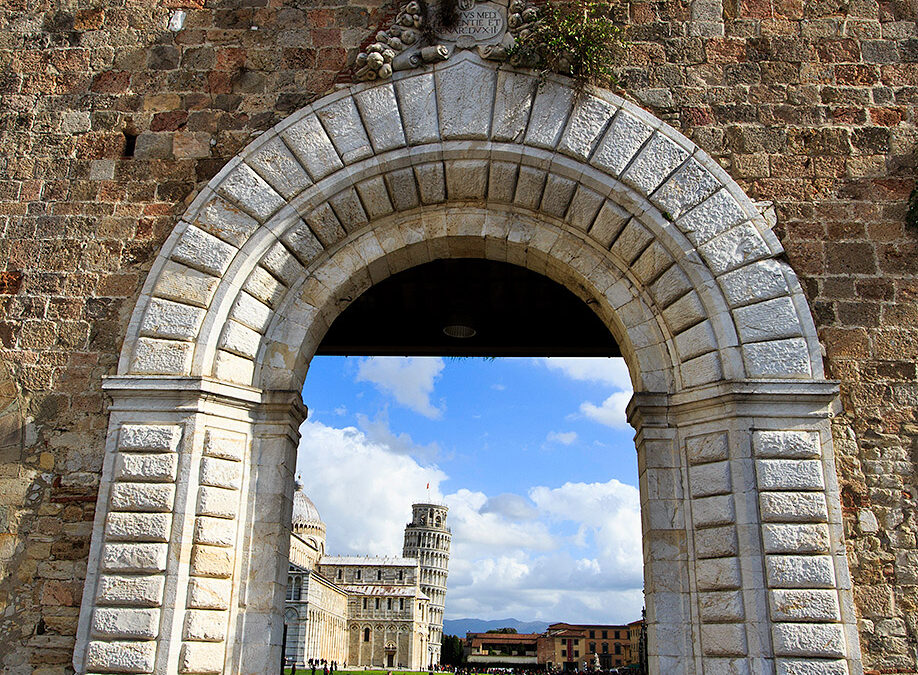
[{"x": 745, "y": 568}]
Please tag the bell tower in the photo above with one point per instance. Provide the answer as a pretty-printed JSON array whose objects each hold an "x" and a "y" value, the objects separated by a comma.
[{"x": 427, "y": 538}]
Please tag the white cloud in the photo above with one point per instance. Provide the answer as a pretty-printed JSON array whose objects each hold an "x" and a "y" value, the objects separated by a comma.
[
  {"x": 611, "y": 412},
  {"x": 611, "y": 511},
  {"x": 611, "y": 371},
  {"x": 378, "y": 431},
  {"x": 362, "y": 490},
  {"x": 510, "y": 506},
  {"x": 410, "y": 380},
  {"x": 562, "y": 437}
]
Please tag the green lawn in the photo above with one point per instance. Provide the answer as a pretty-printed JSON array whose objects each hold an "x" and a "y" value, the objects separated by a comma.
[{"x": 308, "y": 671}]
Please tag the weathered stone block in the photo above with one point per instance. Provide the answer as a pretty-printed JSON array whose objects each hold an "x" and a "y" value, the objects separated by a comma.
[
  {"x": 718, "y": 574},
  {"x": 688, "y": 187},
  {"x": 716, "y": 542},
  {"x": 215, "y": 531},
  {"x": 466, "y": 179},
  {"x": 227, "y": 221},
  {"x": 274, "y": 162},
  {"x": 609, "y": 222},
  {"x": 160, "y": 467},
  {"x": 203, "y": 251},
  {"x": 804, "y": 605},
  {"x": 786, "y": 444},
  {"x": 172, "y": 320},
  {"x": 809, "y": 639},
  {"x": 183, "y": 284},
  {"x": 810, "y": 667},
  {"x": 152, "y": 527},
  {"x": 789, "y": 474},
  {"x": 529, "y": 186},
  {"x": 221, "y": 473},
  {"x": 769, "y": 320},
  {"x": 240, "y": 339},
  {"x": 224, "y": 444},
  {"x": 621, "y": 143},
  {"x": 800, "y": 571},
  {"x": 779, "y": 358},
  {"x": 312, "y": 147},
  {"x": 584, "y": 208},
  {"x": 659, "y": 157},
  {"x": 734, "y": 248},
  {"x": 134, "y": 591},
  {"x": 557, "y": 195},
  {"x": 134, "y": 558},
  {"x": 142, "y": 497},
  {"x": 379, "y": 111},
  {"x": 217, "y": 502},
  {"x": 205, "y": 625},
  {"x": 211, "y": 561},
  {"x": 795, "y": 538},
  {"x": 721, "y": 606},
  {"x": 671, "y": 285},
  {"x": 724, "y": 639},
  {"x": 201, "y": 657},
  {"x": 761, "y": 280},
  {"x": 204, "y": 593},
  {"x": 265, "y": 287},
  {"x": 717, "y": 510},
  {"x": 715, "y": 215},
  {"x": 345, "y": 129},
  {"x": 148, "y": 437},
  {"x": 789, "y": 507},
  {"x": 161, "y": 357},
  {"x": 116, "y": 623},
  {"x": 512, "y": 103},
  {"x": 588, "y": 121},
  {"x": 417, "y": 99},
  {"x": 325, "y": 224},
  {"x": 549, "y": 114},
  {"x": 710, "y": 479},
  {"x": 121, "y": 657},
  {"x": 464, "y": 96},
  {"x": 251, "y": 312}
]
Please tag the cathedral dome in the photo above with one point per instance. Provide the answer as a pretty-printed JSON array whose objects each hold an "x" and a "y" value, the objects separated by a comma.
[{"x": 306, "y": 519}]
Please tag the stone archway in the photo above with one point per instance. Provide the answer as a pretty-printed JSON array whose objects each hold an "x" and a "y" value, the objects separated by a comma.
[{"x": 745, "y": 567}]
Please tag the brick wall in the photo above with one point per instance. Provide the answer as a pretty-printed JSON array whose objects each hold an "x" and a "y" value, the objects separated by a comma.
[{"x": 811, "y": 105}]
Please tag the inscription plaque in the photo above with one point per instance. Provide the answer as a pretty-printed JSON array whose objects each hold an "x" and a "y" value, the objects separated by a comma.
[{"x": 478, "y": 23}]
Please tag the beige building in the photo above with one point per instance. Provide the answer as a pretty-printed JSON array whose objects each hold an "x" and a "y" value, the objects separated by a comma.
[
  {"x": 365, "y": 610},
  {"x": 579, "y": 647}
]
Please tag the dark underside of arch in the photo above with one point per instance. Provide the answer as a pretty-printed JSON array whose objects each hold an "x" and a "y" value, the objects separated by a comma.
[{"x": 513, "y": 311}]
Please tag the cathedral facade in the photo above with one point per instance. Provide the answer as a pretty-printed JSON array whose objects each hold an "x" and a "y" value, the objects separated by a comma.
[{"x": 366, "y": 610}]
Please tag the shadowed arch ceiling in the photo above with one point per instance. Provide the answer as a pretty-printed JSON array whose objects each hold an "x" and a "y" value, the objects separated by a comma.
[{"x": 513, "y": 311}]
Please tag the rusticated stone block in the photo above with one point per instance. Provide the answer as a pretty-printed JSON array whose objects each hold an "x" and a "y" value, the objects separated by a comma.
[{"x": 121, "y": 657}]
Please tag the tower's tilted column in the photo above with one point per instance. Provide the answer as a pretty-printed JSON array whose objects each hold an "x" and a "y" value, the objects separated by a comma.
[{"x": 427, "y": 538}]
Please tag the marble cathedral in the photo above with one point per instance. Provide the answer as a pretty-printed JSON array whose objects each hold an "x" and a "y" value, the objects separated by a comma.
[{"x": 367, "y": 610}]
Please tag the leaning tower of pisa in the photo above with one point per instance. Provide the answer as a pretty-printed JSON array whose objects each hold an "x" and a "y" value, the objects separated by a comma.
[{"x": 427, "y": 538}]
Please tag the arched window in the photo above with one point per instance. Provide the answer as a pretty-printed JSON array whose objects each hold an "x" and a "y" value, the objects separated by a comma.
[
  {"x": 290, "y": 588},
  {"x": 297, "y": 588},
  {"x": 366, "y": 634}
]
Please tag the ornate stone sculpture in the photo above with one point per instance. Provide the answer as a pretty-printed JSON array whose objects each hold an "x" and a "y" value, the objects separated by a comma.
[{"x": 416, "y": 38}]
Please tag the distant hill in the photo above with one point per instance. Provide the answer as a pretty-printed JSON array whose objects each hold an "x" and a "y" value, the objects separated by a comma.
[{"x": 462, "y": 626}]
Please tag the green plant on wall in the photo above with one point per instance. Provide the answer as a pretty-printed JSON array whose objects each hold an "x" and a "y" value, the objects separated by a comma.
[{"x": 577, "y": 38}]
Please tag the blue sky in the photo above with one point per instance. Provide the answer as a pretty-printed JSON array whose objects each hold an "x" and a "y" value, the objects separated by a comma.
[{"x": 533, "y": 456}]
